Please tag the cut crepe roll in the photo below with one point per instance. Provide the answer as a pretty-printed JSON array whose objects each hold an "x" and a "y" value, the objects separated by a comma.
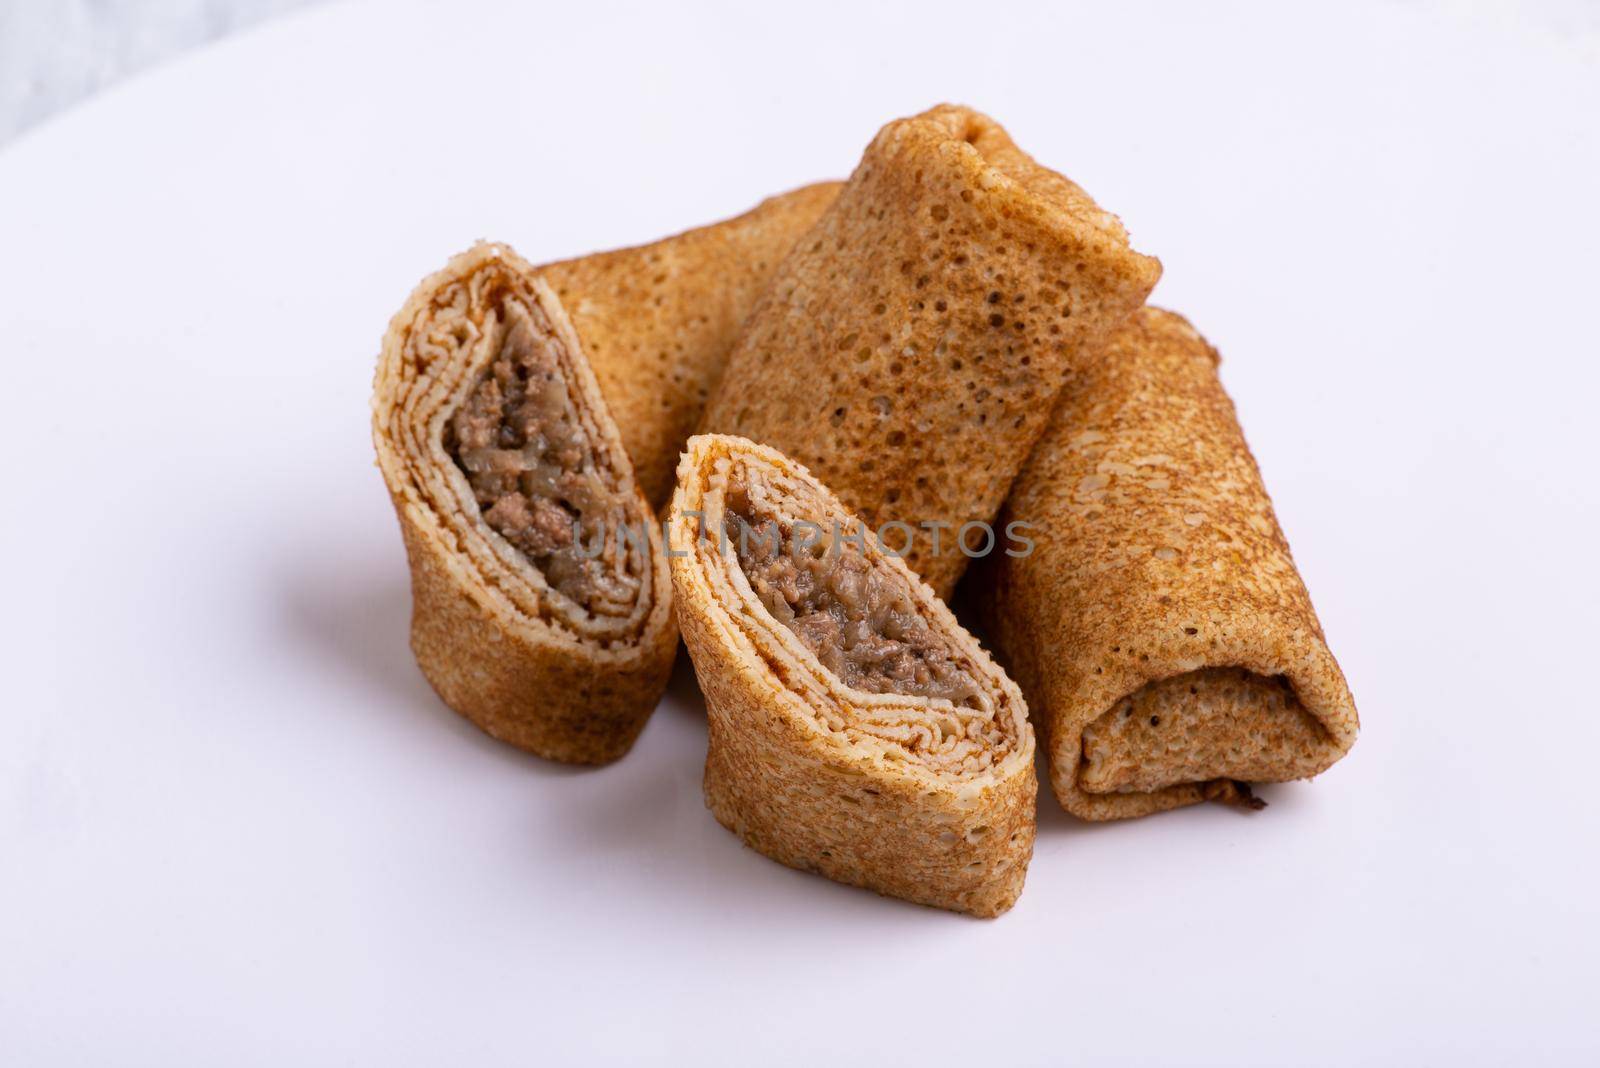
[
  {"x": 1158, "y": 626},
  {"x": 855, "y": 729},
  {"x": 657, "y": 322},
  {"x": 910, "y": 347},
  {"x": 542, "y": 607}
]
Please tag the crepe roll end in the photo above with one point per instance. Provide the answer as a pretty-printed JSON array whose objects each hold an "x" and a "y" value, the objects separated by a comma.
[
  {"x": 541, "y": 598},
  {"x": 1159, "y": 626},
  {"x": 856, "y": 730},
  {"x": 909, "y": 349}
]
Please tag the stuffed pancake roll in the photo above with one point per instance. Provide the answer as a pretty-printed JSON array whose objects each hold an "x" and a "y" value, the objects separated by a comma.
[
  {"x": 909, "y": 350},
  {"x": 1164, "y": 639},
  {"x": 541, "y": 598},
  {"x": 855, "y": 729}
]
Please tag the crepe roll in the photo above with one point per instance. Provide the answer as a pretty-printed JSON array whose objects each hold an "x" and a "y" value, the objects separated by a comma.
[
  {"x": 1158, "y": 626},
  {"x": 542, "y": 607},
  {"x": 855, "y": 729},
  {"x": 657, "y": 322},
  {"x": 909, "y": 349}
]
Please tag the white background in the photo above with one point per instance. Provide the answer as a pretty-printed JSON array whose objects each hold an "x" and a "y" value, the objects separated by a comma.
[{"x": 235, "y": 824}]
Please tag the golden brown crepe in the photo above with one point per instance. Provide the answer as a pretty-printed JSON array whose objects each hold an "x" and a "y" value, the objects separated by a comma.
[
  {"x": 908, "y": 351},
  {"x": 1164, "y": 639},
  {"x": 507, "y": 472},
  {"x": 657, "y": 322},
  {"x": 855, "y": 729}
]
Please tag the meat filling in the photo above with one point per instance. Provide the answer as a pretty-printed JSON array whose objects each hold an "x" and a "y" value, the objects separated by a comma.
[
  {"x": 859, "y": 621},
  {"x": 533, "y": 471}
]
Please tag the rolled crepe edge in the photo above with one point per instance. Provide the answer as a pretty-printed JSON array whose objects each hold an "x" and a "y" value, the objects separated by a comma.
[
  {"x": 1061, "y": 206},
  {"x": 801, "y": 798},
  {"x": 1282, "y": 640},
  {"x": 1302, "y": 659},
  {"x": 527, "y": 682}
]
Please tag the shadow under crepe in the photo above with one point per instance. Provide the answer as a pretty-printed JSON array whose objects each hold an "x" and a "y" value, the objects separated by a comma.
[
  {"x": 348, "y": 606},
  {"x": 652, "y": 816},
  {"x": 351, "y": 609}
]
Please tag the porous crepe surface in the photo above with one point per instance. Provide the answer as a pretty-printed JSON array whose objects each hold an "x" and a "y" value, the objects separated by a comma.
[
  {"x": 1158, "y": 568},
  {"x": 823, "y": 777},
  {"x": 657, "y": 321},
  {"x": 909, "y": 349},
  {"x": 498, "y": 644}
]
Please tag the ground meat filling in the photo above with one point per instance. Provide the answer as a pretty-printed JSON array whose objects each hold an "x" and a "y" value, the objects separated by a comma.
[
  {"x": 533, "y": 471},
  {"x": 859, "y": 622}
]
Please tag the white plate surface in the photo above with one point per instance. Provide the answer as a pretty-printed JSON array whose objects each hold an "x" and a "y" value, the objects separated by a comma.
[{"x": 235, "y": 824}]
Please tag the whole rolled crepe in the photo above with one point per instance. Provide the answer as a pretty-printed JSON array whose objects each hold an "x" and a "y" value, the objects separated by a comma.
[
  {"x": 909, "y": 349},
  {"x": 541, "y": 599},
  {"x": 855, "y": 729},
  {"x": 657, "y": 322},
  {"x": 1158, "y": 626}
]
